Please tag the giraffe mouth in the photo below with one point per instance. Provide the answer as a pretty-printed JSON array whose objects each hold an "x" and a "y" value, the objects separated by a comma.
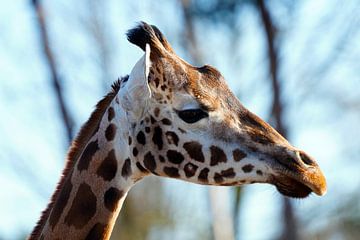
[
  {"x": 301, "y": 183},
  {"x": 291, "y": 187}
]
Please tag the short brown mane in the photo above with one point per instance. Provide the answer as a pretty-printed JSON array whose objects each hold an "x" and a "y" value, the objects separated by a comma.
[{"x": 76, "y": 148}]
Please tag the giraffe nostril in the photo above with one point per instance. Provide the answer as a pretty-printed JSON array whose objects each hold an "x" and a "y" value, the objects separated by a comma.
[{"x": 306, "y": 159}]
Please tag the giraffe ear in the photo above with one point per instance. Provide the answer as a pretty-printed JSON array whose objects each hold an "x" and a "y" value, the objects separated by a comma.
[{"x": 136, "y": 93}]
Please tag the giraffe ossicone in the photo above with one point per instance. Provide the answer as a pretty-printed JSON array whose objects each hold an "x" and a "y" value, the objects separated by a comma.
[{"x": 170, "y": 119}]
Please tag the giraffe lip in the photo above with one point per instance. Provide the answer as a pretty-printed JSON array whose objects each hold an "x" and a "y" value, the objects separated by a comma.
[
  {"x": 291, "y": 187},
  {"x": 315, "y": 180},
  {"x": 301, "y": 183}
]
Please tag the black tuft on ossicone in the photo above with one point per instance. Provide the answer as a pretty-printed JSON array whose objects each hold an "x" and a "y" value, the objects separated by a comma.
[{"x": 142, "y": 34}]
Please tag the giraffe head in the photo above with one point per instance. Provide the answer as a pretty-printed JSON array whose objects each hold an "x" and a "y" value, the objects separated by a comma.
[{"x": 187, "y": 124}]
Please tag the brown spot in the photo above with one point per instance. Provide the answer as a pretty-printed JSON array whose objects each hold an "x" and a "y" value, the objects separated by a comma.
[
  {"x": 156, "y": 112},
  {"x": 126, "y": 169},
  {"x": 166, "y": 121},
  {"x": 161, "y": 158},
  {"x": 190, "y": 169},
  {"x": 174, "y": 156},
  {"x": 247, "y": 168},
  {"x": 86, "y": 156},
  {"x": 83, "y": 207},
  {"x": 163, "y": 87},
  {"x": 238, "y": 155},
  {"x": 149, "y": 162},
  {"x": 97, "y": 232},
  {"x": 147, "y": 129},
  {"x": 111, "y": 113},
  {"x": 140, "y": 137},
  {"x": 194, "y": 149},
  {"x": 61, "y": 202},
  {"x": 112, "y": 197},
  {"x": 135, "y": 152},
  {"x": 171, "y": 171},
  {"x": 203, "y": 176},
  {"x": 108, "y": 168},
  {"x": 110, "y": 132},
  {"x": 130, "y": 140},
  {"x": 157, "y": 137},
  {"x": 217, "y": 156},
  {"x": 218, "y": 178},
  {"x": 141, "y": 168},
  {"x": 172, "y": 138},
  {"x": 259, "y": 172},
  {"x": 228, "y": 173},
  {"x": 157, "y": 81},
  {"x": 152, "y": 120}
]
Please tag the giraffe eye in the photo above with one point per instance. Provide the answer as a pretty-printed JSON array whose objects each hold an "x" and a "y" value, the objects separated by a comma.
[{"x": 192, "y": 115}]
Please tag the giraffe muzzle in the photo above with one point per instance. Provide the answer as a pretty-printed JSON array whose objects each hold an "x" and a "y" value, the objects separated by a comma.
[{"x": 299, "y": 175}]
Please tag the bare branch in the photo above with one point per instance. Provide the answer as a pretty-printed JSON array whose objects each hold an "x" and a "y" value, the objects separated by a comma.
[
  {"x": 55, "y": 80},
  {"x": 290, "y": 222}
]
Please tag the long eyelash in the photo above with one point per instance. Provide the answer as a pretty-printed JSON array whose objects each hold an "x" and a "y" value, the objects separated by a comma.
[{"x": 206, "y": 108}]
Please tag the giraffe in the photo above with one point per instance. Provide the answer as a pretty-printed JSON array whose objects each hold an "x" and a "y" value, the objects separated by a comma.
[{"x": 169, "y": 119}]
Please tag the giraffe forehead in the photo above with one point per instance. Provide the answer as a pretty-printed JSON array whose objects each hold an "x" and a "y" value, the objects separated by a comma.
[
  {"x": 212, "y": 91},
  {"x": 189, "y": 85}
]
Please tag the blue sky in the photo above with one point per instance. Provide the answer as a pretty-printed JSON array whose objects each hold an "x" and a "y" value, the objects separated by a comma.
[{"x": 33, "y": 144}]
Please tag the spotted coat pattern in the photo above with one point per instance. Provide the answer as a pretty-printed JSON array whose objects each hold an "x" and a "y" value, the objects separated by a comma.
[{"x": 227, "y": 145}]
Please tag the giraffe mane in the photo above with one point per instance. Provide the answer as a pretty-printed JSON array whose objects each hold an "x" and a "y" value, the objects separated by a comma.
[{"x": 77, "y": 146}]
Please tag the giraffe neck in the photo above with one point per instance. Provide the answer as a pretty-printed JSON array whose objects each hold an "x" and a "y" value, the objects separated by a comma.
[{"x": 94, "y": 189}]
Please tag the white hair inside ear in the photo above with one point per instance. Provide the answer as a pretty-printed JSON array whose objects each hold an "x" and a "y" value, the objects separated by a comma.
[{"x": 136, "y": 93}]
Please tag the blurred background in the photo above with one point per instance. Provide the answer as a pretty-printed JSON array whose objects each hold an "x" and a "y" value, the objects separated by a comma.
[{"x": 294, "y": 63}]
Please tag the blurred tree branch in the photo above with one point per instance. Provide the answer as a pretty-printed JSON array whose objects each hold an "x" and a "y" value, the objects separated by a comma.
[
  {"x": 55, "y": 80},
  {"x": 289, "y": 220},
  {"x": 316, "y": 72}
]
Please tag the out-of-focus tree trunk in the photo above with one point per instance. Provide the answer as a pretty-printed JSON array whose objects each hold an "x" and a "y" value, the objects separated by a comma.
[
  {"x": 289, "y": 219},
  {"x": 222, "y": 224},
  {"x": 49, "y": 58}
]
